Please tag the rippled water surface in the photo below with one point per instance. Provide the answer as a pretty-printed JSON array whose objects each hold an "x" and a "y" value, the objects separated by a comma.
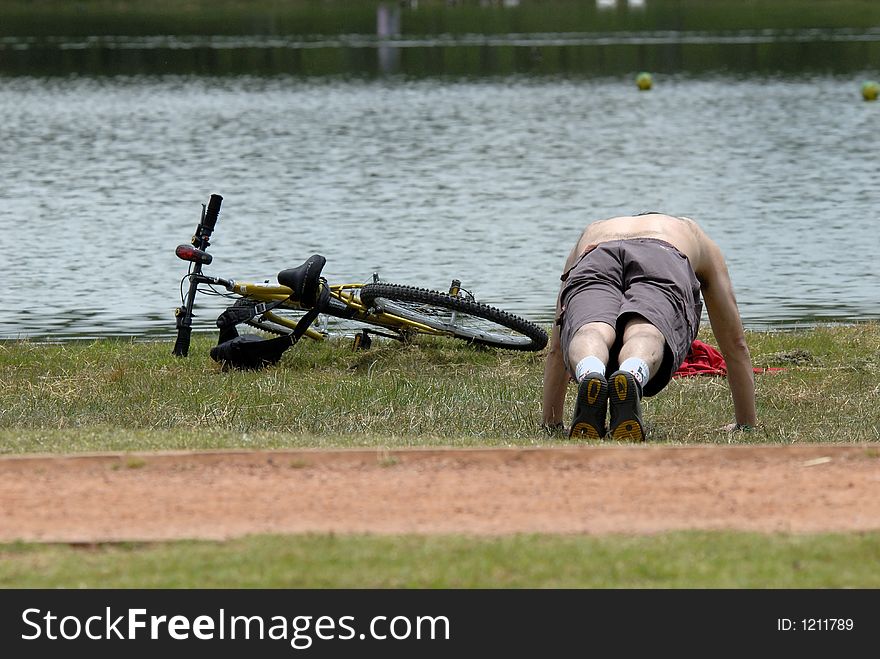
[{"x": 488, "y": 179}]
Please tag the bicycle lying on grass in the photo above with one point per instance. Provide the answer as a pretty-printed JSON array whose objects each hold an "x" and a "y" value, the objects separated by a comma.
[{"x": 290, "y": 308}]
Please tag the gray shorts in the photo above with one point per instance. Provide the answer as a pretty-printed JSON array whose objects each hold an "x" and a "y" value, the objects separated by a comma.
[{"x": 646, "y": 277}]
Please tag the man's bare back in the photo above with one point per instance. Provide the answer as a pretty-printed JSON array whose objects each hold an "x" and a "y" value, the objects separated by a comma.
[{"x": 681, "y": 232}]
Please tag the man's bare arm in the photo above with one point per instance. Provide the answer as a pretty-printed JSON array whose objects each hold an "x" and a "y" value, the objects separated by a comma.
[
  {"x": 727, "y": 327},
  {"x": 555, "y": 381},
  {"x": 556, "y": 376}
]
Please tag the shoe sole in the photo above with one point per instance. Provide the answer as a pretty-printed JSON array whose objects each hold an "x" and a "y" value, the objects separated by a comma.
[
  {"x": 592, "y": 401},
  {"x": 624, "y": 401}
]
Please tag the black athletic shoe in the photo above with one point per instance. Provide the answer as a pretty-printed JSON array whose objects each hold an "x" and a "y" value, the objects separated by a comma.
[
  {"x": 624, "y": 401},
  {"x": 590, "y": 408}
]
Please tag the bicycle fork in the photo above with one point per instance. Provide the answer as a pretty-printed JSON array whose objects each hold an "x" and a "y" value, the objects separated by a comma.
[{"x": 196, "y": 255}]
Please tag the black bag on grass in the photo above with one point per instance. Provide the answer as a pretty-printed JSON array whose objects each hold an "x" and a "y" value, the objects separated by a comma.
[{"x": 250, "y": 352}]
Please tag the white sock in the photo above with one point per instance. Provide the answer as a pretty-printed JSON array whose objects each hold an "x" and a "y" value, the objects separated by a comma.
[
  {"x": 639, "y": 369},
  {"x": 589, "y": 364}
]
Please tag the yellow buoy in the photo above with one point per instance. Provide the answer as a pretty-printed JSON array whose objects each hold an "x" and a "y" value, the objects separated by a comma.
[
  {"x": 644, "y": 81},
  {"x": 870, "y": 90}
]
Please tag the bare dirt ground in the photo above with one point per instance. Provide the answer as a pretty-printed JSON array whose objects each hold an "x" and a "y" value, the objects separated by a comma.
[{"x": 579, "y": 489}]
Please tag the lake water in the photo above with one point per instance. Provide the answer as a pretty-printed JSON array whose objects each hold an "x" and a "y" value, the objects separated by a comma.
[{"x": 426, "y": 159}]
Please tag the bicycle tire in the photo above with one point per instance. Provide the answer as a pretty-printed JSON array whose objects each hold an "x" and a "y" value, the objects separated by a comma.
[{"x": 482, "y": 324}]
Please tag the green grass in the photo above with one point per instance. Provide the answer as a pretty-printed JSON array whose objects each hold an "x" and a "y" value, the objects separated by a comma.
[
  {"x": 674, "y": 560},
  {"x": 130, "y": 396}
]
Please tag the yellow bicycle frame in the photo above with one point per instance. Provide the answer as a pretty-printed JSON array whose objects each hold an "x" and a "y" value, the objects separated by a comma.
[{"x": 345, "y": 293}]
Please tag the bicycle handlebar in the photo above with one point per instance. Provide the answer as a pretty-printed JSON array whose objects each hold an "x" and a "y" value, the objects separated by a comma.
[
  {"x": 207, "y": 222},
  {"x": 213, "y": 211}
]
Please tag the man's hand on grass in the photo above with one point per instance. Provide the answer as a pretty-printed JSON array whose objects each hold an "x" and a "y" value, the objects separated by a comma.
[
  {"x": 742, "y": 427},
  {"x": 553, "y": 429}
]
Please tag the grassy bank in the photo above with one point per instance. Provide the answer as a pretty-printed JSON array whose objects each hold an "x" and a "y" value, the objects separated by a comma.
[
  {"x": 674, "y": 560},
  {"x": 130, "y": 396},
  {"x": 123, "y": 395}
]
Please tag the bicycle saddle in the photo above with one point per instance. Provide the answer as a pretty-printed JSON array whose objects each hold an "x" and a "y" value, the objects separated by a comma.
[{"x": 304, "y": 280}]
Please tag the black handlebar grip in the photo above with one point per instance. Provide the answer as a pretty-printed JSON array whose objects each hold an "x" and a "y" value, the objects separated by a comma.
[{"x": 213, "y": 210}]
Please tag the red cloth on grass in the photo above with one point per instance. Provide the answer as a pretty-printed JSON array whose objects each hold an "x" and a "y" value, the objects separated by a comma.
[{"x": 704, "y": 359}]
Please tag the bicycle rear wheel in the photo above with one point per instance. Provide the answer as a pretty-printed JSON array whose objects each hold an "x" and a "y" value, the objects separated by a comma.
[
  {"x": 337, "y": 319},
  {"x": 458, "y": 316},
  {"x": 262, "y": 325}
]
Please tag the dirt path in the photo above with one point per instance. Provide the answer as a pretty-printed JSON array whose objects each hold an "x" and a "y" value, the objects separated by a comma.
[{"x": 159, "y": 496}]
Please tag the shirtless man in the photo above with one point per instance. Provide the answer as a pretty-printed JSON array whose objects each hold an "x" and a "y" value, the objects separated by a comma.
[{"x": 630, "y": 304}]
